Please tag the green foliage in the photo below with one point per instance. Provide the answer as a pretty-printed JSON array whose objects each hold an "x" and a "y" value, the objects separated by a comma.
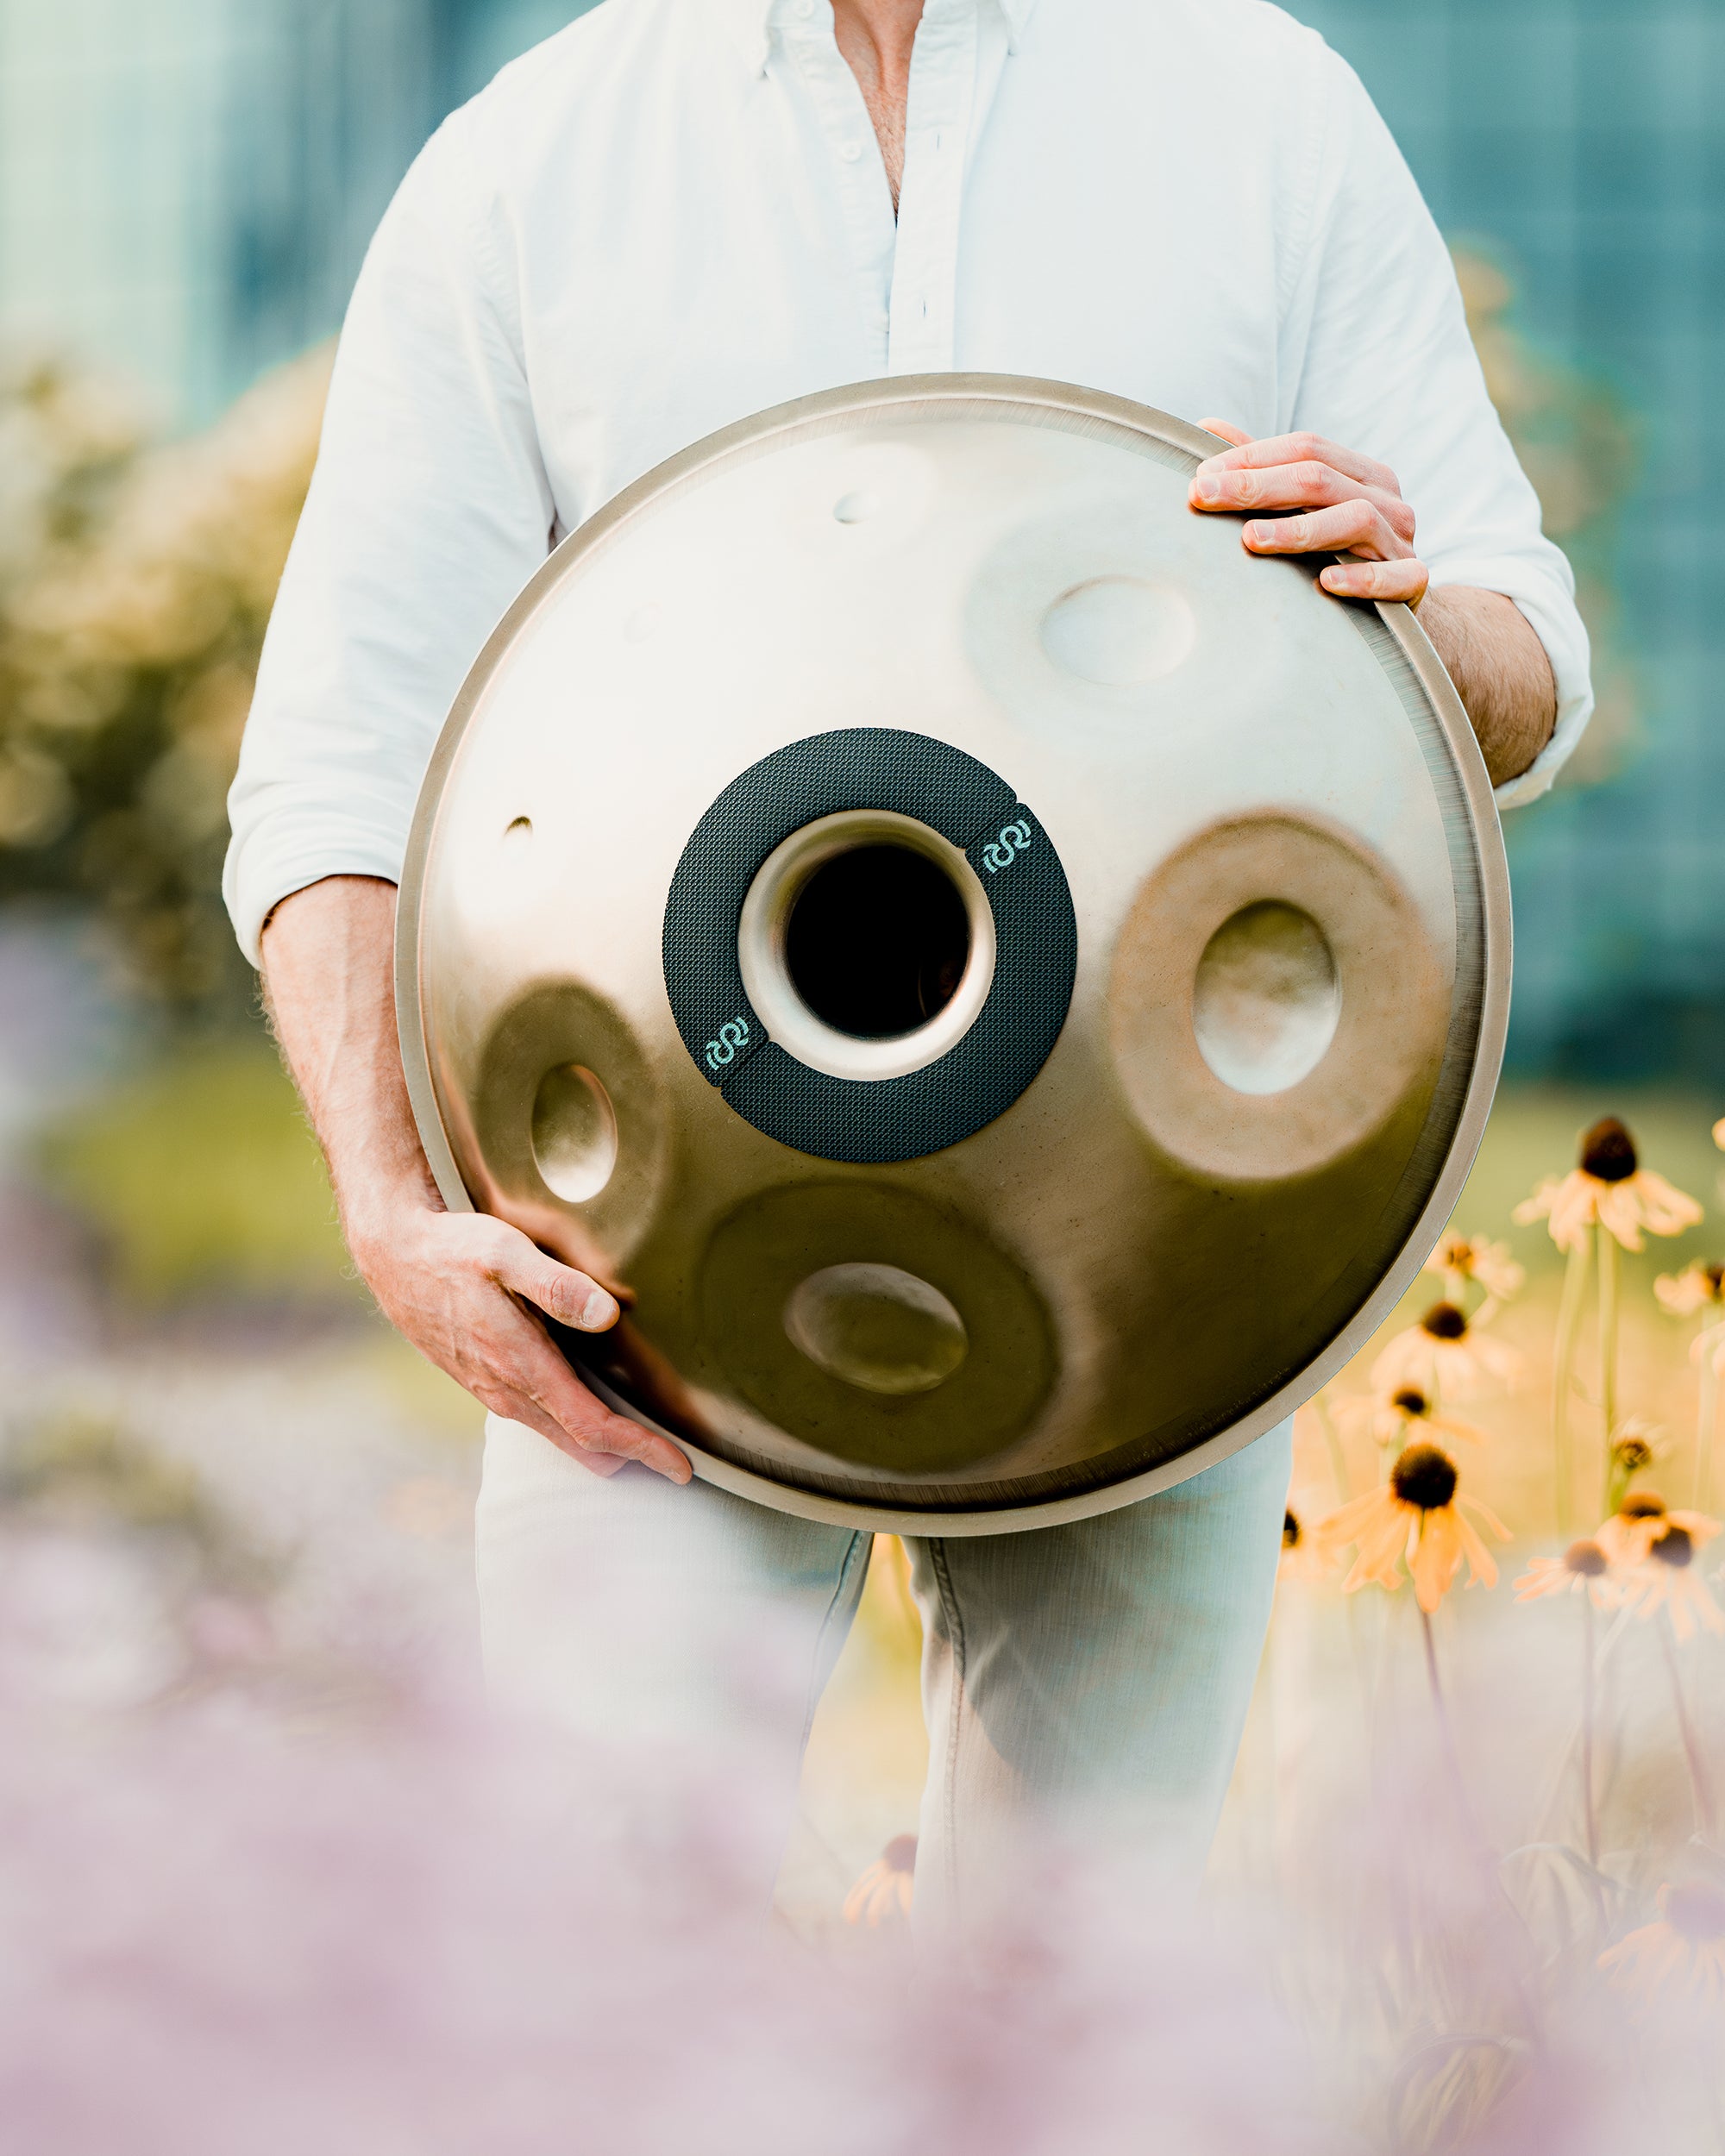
[
  {"x": 203, "y": 1179},
  {"x": 135, "y": 587}
]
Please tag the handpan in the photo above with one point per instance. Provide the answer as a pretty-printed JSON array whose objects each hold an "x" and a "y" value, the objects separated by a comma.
[{"x": 1001, "y": 984}]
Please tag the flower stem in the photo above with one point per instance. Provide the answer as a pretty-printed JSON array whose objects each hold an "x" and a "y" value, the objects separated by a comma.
[
  {"x": 1608, "y": 1359},
  {"x": 1700, "y": 1782},
  {"x": 1562, "y": 1371},
  {"x": 1706, "y": 1418},
  {"x": 1588, "y": 1819}
]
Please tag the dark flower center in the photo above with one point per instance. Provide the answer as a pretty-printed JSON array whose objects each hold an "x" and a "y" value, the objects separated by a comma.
[
  {"x": 1586, "y": 1557},
  {"x": 1676, "y": 1546},
  {"x": 1291, "y": 1531},
  {"x": 899, "y": 1853},
  {"x": 1410, "y": 1402},
  {"x": 1443, "y": 1321},
  {"x": 1698, "y": 1912},
  {"x": 1424, "y": 1477},
  {"x": 1714, "y": 1277},
  {"x": 1608, "y": 1152},
  {"x": 1642, "y": 1504}
]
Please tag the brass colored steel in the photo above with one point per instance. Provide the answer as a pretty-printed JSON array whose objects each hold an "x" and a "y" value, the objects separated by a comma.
[{"x": 1293, "y": 956}]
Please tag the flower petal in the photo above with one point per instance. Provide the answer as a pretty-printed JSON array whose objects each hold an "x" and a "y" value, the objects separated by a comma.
[
  {"x": 1481, "y": 1564},
  {"x": 1438, "y": 1558},
  {"x": 1666, "y": 1210},
  {"x": 1575, "y": 1208}
]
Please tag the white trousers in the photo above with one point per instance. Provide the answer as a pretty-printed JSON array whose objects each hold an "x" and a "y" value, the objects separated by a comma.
[{"x": 1076, "y": 1679}]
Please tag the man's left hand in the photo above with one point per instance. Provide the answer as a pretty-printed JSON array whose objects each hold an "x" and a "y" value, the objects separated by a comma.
[{"x": 1305, "y": 495}]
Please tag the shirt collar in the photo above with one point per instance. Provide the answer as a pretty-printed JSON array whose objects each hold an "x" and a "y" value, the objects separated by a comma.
[{"x": 750, "y": 23}]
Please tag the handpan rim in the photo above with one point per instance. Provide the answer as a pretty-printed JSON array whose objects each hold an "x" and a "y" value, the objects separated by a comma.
[{"x": 950, "y": 396}]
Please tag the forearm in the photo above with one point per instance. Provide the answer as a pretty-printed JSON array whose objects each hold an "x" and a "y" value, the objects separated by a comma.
[
  {"x": 329, "y": 985},
  {"x": 464, "y": 1287},
  {"x": 1501, "y": 671}
]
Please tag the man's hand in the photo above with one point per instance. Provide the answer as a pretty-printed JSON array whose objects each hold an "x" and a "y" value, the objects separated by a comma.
[
  {"x": 1342, "y": 503},
  {"x": 1304, "y": 495},
  {"x": 462, "y": 1287}
]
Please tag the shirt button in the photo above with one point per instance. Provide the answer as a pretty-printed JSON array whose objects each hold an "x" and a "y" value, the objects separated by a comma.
[{"x": 851, "y": 152}]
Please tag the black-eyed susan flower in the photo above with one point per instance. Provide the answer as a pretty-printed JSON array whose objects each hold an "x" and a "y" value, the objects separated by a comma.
[
  {"x": 1303, "y": 1558},
  {"x": 1625, "y": 1537},
  {"x": 1461, "y": 1258},
  {"x": 1609, "y": 1187},
  {"x": 1443, "y": 1357},
  {"x": 1415, "y": 1519},
  {"x": 1401, "y": 1418},
  {"x": 1679, "y": 1961},
  {"x": 1666, "y": 1580},
  {"x": 882, "y": 1894},
  {"x": 1696, "y": 1287},
  {"x": 1583, "y": 1568}
]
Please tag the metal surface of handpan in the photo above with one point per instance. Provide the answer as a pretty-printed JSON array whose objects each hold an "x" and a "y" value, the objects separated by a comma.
[{"x": 1004, "y": 986}]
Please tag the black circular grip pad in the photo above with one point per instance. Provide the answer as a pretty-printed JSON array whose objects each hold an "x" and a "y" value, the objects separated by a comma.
[{"x": 1035, "y": 928}]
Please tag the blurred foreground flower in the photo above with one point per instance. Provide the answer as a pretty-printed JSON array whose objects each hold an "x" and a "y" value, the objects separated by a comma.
[
  {"x": 1415, "y": 1519},
  {"x": 1666, "y": 1580},
  {"x": 1680, "y": 1960},
  {"x": 883, "y": 1893},
  {"x": 1627, "y": 1536},
  {"x": 1583, "y": 1568},
  {"x": 1692, "y": 1290},
  {"x": 1401, "y": 1417},
  {"x": 1609, "y": 1187},
  {"x": 1461, "y": 1258},
  {"x": 1303, "y": 1555},
  {"x": 1443, "y": 1355}
]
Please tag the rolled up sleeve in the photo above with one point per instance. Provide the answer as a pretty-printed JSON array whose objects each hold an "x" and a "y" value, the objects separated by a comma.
[
  {"x": 1377, "y": 355},
  {"x": 429, "y": 510}
]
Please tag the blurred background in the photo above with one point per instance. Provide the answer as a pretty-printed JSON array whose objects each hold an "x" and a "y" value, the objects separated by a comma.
[{"x": 194, "y": 1382}]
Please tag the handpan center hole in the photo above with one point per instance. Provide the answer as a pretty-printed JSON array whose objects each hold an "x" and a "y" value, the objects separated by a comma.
[
  {"x": 876, "y": 941},
  {"x": 876, "y": 1327},
  {"x": 1267, "y": 999}
]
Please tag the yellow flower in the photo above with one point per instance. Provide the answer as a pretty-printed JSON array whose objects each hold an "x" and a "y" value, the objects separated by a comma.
[
  {"x": 1625, "y": 1537},
  {"x": 882, "y": 1894},
  {"x": 1464, "y": 1257},
  {"x": 1680, "y": 1960},
  {"x": 1443, "y": 1355},
  {"x": 1414, "y": 1518},
  {"x": 1666, "y": 1579},
  {"x": 1610, "y": 1187},
  {"x": 1583, "y": 1568},
  {"x": 1691, "y": 1290},
  {"x": 1303, "y": 1556},
  {"x": 1400, "y": 1417}
]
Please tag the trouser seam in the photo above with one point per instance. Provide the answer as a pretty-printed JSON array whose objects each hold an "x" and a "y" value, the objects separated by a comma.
[
  {"x": 812, "y": 1701},
  {"x": 954, "y": 1621}
]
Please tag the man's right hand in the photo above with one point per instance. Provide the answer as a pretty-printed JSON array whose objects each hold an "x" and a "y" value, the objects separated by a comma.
[{"x": 462, "y": 1287}]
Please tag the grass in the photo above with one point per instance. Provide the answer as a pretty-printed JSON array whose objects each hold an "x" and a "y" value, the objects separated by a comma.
[{"x": 202, "y": 1180}]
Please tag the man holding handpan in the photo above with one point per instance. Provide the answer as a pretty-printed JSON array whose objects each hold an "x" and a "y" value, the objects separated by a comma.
[{"x": 673, "y": 214}]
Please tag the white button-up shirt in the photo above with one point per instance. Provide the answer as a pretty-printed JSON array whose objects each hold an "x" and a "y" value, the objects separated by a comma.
[{"x": 674, "y": 213}]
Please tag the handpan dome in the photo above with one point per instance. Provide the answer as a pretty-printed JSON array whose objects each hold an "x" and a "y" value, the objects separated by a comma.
[{"x": 1002, "y": 985}]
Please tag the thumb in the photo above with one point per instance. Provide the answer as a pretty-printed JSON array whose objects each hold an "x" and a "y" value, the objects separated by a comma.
[
  {"x": 560, "y": 1291},
  {"x": 1237, "y": 435}
]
